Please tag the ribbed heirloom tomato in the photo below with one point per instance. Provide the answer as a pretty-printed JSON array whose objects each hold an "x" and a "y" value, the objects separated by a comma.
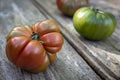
[
  {"x": 94, "y": 24},
  {"x": 33, "y": 48},
  {"x": 69, "y": 7}
]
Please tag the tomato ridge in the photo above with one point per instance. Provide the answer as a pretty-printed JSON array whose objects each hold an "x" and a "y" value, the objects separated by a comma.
[{"x": 20, "y": 52}]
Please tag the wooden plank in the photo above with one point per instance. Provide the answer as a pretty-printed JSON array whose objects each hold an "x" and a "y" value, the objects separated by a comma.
[
  {"x": 111, "y": 3},
  {"x": 68, "y": 65},
  {"x": 103, "y": 55}
]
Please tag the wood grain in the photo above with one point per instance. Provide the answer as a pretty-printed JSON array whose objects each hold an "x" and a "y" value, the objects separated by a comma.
[
  {"x": 68, "y": 65},
  {"x": 103, "y": 55}
]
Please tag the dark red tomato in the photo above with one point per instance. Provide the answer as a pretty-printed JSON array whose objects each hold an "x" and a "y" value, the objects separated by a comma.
[
  {"x": 69, "y": 7},
  {"x": 33, "y": 48}
]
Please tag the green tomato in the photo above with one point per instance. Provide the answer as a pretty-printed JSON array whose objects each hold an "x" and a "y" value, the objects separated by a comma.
[{"x": 94, "y": 24}]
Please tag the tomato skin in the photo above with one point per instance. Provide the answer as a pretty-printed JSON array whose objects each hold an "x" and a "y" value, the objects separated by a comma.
[
  {"x": 51, "y": 57},
  {"x": 94, "y": 24},
  {"x": 42, "y": 67},
  {"x": 14, "y": 47},
  {"x": 69, "y": 7},
  {"x": 26, "y": 46},
  {"x": 49, "y": 26},
  {"x": 32, "y": 55},
  {"x": 52, "y": 41}
]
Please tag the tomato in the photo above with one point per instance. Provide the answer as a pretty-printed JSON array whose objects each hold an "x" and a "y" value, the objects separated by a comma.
[
  {"x": 94, "y": 24},
  {"x": 69, "y": 7},
  {"x": 34, "y": 48}
]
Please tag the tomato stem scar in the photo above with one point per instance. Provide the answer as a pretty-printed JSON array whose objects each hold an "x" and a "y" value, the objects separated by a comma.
[{"x": 34, "y": 36}]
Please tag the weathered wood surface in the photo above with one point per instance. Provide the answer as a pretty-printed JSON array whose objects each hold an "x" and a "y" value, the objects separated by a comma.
[
  {"x": 68, "y": 65},
  {"x": 103, "y": 56}
]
